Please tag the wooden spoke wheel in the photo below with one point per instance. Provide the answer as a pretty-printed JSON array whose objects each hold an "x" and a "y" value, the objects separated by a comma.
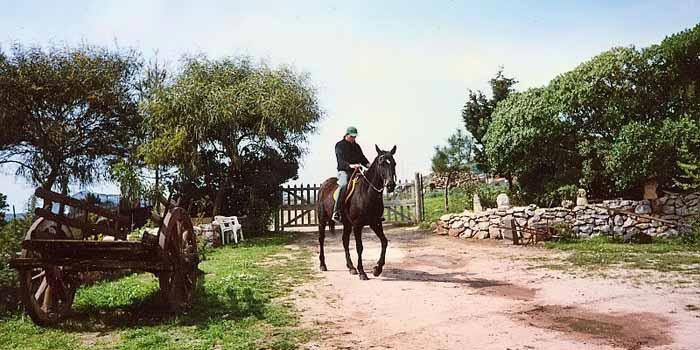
[
  {"x": 47, "y": 292},
  {"x": 178, "y": 244}
]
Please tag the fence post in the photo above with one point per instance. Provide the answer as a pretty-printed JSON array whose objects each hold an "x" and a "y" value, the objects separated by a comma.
[{"x": 418, "y": 191}]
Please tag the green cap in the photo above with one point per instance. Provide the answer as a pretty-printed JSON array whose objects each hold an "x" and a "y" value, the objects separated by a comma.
[{"x": 352, "y": 131}]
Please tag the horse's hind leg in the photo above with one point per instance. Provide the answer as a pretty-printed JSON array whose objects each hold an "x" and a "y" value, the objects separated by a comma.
[
  {"x": 359, "y": 248},
  {"x": 346, "y": 245},
  {"x": 379, "y": 230},
  {"x": 321, "y": 239}
]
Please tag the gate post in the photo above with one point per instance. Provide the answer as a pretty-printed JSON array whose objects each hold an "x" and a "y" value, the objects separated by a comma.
[{"x": 418, "y": 196}]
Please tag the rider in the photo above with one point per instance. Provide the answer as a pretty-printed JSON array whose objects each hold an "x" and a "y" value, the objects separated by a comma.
[{"x": 349, "y": 156}]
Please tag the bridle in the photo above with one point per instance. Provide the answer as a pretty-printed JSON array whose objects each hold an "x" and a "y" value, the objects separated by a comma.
[{"x": 384, "y": 182}]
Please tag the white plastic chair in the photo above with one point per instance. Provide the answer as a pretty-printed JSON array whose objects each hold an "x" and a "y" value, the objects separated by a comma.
[{"x": 229, "y": 224}]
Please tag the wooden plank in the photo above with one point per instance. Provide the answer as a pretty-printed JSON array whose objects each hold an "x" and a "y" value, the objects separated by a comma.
[
  {"x": 75, "y": 203},
  {"x": 85, "y": 226},
  {"x": 93, "y": 264},
  {"x": 48, "y": 244}
]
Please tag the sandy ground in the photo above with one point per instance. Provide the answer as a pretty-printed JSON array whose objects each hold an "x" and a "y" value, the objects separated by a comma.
[{"x": 440, "y": 292}]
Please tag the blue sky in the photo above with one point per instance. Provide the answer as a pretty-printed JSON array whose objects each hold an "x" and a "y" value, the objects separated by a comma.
[{"x": 397, "y": 70}]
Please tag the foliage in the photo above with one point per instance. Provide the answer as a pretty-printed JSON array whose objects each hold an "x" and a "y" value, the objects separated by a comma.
[
  {"x": 460, "y": 199},
  {"x": 453, "y": 158},
  {"x": 11, "y": 236},
  {"x": 477, "y": 112},
  {"x": 3, "y": 207},
  {"x": 241, "y": 306},
  {"x": 66, "y": 112},
  {"x": 614, "y": 122},
  {"x": 234, "y": 129}
]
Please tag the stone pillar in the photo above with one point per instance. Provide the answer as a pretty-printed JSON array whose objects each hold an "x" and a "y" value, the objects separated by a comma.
[
  {"x": 503, "y": 201},
  {"x": 581, "y": 198},
  {"x": 477, "y": 204}
]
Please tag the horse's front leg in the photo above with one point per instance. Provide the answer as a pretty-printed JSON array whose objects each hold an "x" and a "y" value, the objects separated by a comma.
[
  {"x": 379, "y": 230},
  {"x": 358, "y": 247},
  {"x": 346, "y": 245}
]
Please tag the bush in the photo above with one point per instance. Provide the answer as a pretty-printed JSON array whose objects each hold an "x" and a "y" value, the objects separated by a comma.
[{"x": 11, "y": 235}]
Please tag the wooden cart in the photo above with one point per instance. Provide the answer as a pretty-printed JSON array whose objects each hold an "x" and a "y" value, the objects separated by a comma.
[{"x": 57, "y": 249}]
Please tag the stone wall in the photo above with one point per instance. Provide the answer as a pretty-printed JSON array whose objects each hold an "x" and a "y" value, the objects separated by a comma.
[{"x": 662, "y": 218}]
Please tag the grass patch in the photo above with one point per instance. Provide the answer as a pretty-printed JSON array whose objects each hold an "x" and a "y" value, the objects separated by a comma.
[
  {"x": 240, "y": 306},
  {"x": 661, "y": 255},
  {"x": 434, "y": 204}
]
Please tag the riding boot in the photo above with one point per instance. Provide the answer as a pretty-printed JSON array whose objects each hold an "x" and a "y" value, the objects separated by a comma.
[{"x": 337, "y": 209}]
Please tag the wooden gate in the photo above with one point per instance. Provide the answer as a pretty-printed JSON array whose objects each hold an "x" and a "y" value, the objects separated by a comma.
[{"x": 403, "y": 206}]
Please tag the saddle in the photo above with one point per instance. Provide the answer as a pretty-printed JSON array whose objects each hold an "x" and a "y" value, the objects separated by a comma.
[{"x": 351, "y": 188}]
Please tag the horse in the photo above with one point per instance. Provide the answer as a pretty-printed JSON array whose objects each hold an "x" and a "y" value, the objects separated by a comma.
[{"x": 364, "y": 207}]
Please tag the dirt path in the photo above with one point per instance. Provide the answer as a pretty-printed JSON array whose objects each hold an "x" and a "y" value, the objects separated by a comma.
[{"x": 440, "y": 292}]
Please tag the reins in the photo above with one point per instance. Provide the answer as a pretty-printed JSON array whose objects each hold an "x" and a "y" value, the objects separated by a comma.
[{"x": 380, "y": 190}]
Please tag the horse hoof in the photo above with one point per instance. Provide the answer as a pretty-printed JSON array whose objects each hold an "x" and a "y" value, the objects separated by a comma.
[
  {"x": 323, "y": 268},
  {"x": 363, "y": 277},
  {"x": 353, "y": 271},
  {"x": 377, "y": 271}
]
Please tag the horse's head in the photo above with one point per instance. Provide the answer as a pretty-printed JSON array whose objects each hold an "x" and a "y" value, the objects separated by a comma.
[{"x": 386, "y": 167}]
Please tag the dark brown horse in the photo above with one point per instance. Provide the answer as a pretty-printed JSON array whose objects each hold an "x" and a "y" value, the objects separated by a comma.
[{"x": 365, "y": 207}]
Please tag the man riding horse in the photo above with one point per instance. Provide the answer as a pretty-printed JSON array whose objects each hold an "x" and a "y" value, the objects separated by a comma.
[{"x": 350, "y": 157}]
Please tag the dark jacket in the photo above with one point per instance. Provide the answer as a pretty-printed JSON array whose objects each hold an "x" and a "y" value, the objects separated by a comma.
[{"x": 349, "y": 153}]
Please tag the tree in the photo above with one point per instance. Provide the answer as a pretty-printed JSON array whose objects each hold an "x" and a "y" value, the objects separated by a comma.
[
  {"x": 453, "y": 158},
  {"x": 609, "y": 125},
  {"x": 66, "y": 112},
  {"x": 217, "y": 118},
  {"x": 477, "y": 112},
  {"x": 3, "y": 207}
]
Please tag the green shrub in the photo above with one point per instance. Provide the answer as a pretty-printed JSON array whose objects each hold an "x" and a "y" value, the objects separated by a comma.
[{"x": 11, "y": 235}]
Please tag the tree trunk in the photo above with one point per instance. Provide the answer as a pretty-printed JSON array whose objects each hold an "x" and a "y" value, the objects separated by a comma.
[
  {"x": 447, "y": 192},
  {"x": 509, "y": 177},
  {"x": 64, "y": 191}
]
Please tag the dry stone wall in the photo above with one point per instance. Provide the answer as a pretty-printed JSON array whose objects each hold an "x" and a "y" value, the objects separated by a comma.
[{"x": 663, "y": 218}]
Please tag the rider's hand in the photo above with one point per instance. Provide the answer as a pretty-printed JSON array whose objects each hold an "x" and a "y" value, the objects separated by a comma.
[{"x": 355, "y": 166}]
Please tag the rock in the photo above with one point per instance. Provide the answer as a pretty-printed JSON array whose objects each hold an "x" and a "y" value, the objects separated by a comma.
[
  {"x": 441, "y": 230},
  {"x": 643, "y": 208},
  {"x": 567, "y": 203},
  {"x": 628, "y": 223},
  {"x": 482, "y": 234},
  {"x": 483, "y": 225},
  {"x": 502, "y": 201},
  {"x": 468, "y": 233},
  {"x": 587, "y": 229},
  {"x": 682, "y": 211},
  {"x": 454, "y": 232},
  {"x": 457, "y": 224},
  {"x": 668, "y": 209},
  {"x": 618, "y": 220},
  {"x": 433, "y": 226},
  {"x": 494, "y": 233},
  {"x": 446, "y": 217}
]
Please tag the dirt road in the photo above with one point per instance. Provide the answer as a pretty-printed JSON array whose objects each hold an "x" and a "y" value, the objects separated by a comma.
[{"x": 440, "y": 292}]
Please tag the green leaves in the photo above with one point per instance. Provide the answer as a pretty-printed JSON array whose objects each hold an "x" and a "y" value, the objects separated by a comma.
[{"x": 609, "y": 125}]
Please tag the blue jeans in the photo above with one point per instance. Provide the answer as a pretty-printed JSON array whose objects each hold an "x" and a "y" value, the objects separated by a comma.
[{"x": 343, "y": 183}]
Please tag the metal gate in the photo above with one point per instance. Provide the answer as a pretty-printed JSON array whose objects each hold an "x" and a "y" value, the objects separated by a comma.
[{"x": 403, "y": 206}]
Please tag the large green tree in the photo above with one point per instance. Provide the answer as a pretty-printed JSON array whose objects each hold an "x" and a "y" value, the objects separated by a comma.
[
  {"x": 231, "y": 125},
  {"x": 614, "y": 122},
  {"x": 477, "y": 112},
  {"x": 66, "y": 112}
]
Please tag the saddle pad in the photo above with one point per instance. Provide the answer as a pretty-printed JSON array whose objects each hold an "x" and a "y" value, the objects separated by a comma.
[{"x": 349, "y": 190}]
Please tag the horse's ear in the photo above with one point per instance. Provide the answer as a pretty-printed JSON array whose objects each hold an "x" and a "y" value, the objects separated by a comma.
[
  {"x": 378, "y": 150},
  {"x": 393, "y": 150}
]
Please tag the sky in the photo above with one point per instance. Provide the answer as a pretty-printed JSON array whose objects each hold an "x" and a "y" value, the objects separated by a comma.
[{"x": 399, "y": 71}]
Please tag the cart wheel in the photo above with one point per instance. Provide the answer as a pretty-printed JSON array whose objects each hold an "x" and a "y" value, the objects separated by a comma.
[
  {"x": 47, "y": 292},
  {"x": 179, "y": 245}
]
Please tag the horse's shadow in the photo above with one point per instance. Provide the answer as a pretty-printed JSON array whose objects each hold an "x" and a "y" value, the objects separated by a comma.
[{"x": 398, "y": 274}]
